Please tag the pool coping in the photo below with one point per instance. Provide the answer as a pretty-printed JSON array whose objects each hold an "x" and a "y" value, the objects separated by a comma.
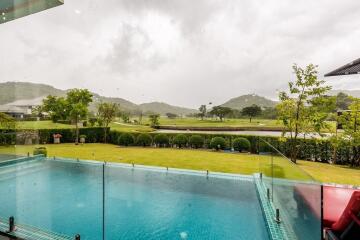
[
  {"x": 205, "y": 173},
  {"x": 277, "y": 231}
]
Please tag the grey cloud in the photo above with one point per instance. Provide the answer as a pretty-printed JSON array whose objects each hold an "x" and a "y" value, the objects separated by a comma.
[{"x": 184, "y": 52}]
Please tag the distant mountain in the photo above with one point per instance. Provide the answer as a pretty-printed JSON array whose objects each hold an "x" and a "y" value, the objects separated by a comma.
[
  {"x": 248, "y": 100},
  {"x": 14, "y": 93},
  {"x": 164, "y": 108},
  {"x": 354, "y": 93}
]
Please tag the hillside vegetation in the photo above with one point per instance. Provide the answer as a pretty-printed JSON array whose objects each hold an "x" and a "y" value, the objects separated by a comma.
[{"x": 248, "y": 100}]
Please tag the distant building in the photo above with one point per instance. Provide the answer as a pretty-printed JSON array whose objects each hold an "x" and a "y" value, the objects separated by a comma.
[{"x": 21, "y": 108}]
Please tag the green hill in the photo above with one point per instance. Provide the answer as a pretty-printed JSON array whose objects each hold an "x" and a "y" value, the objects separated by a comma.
[
  {"x": 14, "y": 91},
  {"x": 163, "y": 108},
  {"x": 248, "y": 100}
]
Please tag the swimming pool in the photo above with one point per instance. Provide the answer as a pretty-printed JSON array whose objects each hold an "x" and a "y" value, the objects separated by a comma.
[{"x": 120, "y": 202}]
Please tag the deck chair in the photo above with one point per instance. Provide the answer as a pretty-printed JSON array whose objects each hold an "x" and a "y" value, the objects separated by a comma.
[{"x": 347, "y": 227}]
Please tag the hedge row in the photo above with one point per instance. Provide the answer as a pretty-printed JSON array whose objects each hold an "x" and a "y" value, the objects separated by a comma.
[
  {"x": 316, "y": 150},
  {"x": 93, "y": 135}
]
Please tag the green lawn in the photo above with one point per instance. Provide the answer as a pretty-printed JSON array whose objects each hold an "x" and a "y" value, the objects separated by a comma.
[
  {"x": 123, "y": 127},
  {"x": 41, "y": 125},
  {"x": 184, "y": 122},
  {"x": 196, "y": 122},
  {"x": 199, "y": 160}
]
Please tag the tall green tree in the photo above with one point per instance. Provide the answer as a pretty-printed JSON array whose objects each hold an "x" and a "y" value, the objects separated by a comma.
[
  {"x": 221, "y": 112},
  {"x": 154, "y": 120},
  {"x": 304, "y": 108},
  {"x": 251, "y": 111},
  {"x": 106, "y": 112},
  {"x": 7, "y": 122},
  {"x": 343, "y": 101},
  {"x": 202, "y": 110},
  {"x": 350, "y": 121},
  {"x": 56, "y": 107},
  {"x": 78, "y": 101}
]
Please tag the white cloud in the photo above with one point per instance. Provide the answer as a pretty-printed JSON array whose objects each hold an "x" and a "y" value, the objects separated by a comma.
[{"x": 182, "y": 52}]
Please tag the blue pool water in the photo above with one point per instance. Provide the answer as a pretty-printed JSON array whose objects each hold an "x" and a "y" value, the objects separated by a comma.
[{"x": 67, "y": 197}]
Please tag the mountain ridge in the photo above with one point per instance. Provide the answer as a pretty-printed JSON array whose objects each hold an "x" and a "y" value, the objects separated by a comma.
[
  {"x": 14, "y": 91},
  {"x": 248, "y": 100}
]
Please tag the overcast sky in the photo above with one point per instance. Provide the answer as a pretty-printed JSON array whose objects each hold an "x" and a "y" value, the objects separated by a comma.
[{"x": 182, "y": 52}]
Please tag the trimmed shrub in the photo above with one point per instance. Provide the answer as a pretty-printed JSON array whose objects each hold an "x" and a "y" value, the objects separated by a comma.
[
  {"x": 7, "y": 137},
  {"x": 218, "y": 143},
  {"x": 126, "y": 139},
  {"x": 144, "y": 139},
  {"x": 241, "y": 144},
  {"x": 161, "y": 140},
  {"x": 40, "y": 150},
  {"x": 93, "y": 135},
  {"x": 180, "y": 140},
  {"x": 196, "y": 141}
]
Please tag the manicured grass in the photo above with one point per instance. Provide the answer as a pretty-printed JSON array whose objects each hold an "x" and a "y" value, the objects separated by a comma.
[
  {"x": 41, "y": 125},
  {"x": 183, "y": 122},
  {"x": 119, "y": 126},
  {"x": 209, "y": 122},
  {"x": 199, "y": 160},
  {"x": 328, "y": 173}
]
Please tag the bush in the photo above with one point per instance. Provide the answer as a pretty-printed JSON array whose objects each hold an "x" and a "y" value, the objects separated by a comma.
[
  {"x": 93, "y": 135},
  {"x": 161, "y": 140},
  {"x": 144, "y": 140},
  {"x": 218, "y": 143},
  {"x": 126, "y": 139},
  {"x": 40, "y": 150},
  {"x": 196, "y": 141},
  {"x": 92, "y": 121},
  {"x": 7, "y": 137},
  {"x": 180, "y": 140},
  {"x": 241, "y": 144}
]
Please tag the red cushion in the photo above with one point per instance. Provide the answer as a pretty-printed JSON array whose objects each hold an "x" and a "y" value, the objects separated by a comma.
[
  {"x": 353, "y": 207},
  {"x": 335, "y": 201}
]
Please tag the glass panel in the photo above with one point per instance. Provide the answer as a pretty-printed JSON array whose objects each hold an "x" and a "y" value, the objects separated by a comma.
[
  {"x": 152, "y": 203},
  {"x": 294, "y": 193},
  {"x": 13, "y": 9},
  {"x": 55, "y": 197}
]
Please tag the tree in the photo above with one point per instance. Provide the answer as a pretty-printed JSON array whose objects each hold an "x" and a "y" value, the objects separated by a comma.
[
  {"x": 343, "y": 101},
  {"x": 304, "y": 109},
  {"x": 221, "y": 112},
  {"x": 251, "y": 111},
  {"x": 56, "y": 107},
  {"x": 350, "y": 121},
  {"x": 202, "y": 110},
  {"x": 78, "y": 101},
  {"x": 7, "y": 122},
  {"x": 171, "y": 115},
  {"x": 125, "y": 116},
  {"x": 106, "y": 112},
  {"x": 154, "y": 120}
]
